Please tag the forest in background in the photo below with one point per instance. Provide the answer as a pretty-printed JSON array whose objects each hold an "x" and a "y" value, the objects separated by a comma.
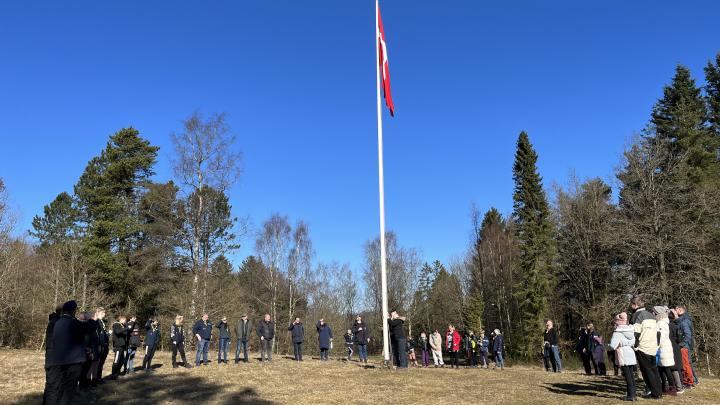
[{"x": 135, "y": 246}]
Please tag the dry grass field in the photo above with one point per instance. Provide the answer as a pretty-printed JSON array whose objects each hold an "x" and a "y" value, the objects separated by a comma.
[{"x": 334, "y": 382}]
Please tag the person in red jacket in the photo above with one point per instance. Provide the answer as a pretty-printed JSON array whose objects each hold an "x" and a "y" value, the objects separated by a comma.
[{"x": 452, "y": 339}]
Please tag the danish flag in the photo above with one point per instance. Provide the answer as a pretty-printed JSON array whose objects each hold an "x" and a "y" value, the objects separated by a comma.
[{"x": 383, "y": 61}]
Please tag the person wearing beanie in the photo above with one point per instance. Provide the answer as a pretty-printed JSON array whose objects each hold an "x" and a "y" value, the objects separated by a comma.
[
  {"x": 623, "y": 342},
  {"x": 667, "y": 359}
]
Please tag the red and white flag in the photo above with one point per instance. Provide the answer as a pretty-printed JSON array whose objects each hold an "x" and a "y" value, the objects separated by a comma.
[{"x": 383, "y": 61}]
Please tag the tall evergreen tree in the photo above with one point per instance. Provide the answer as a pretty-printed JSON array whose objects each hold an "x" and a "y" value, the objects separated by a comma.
[
  {"x": 534, "y": 236},
  {"x": 59, "y": 222},
  {"x": 712, "y": 91}
]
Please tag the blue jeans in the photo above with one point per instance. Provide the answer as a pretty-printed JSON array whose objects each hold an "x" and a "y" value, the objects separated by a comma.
[
  {"x": 362, "y": 352},
  {"x": 131, "y": 358},
  {"x": 297, "y": 350},
  {"x": 400, "y": 353},
  {"x": 499, "y": 360},
  {"x": 241, "y": 344},
  {"x": 222, "y": 349},
  {"x": 556, "y": 354},
  {"x": 202, "y": 350}
]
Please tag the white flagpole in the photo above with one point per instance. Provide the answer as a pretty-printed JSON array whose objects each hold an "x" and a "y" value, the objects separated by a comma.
[{"x": 381, "y": 186}]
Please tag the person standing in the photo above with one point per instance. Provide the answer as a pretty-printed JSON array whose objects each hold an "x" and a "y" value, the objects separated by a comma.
[
  {"x": 349, "y": 343},
  {"x": 436, "y": 346},
  {"x": 131, "y": 325},
  {"x": 623, "y": 342},
  {"x": 498, "y": 349},
  {"x": 687, "y": 346},
  {"x": 646, "y": 335},
  {"x": 325, "y": 338},
  {"x": 297, "y": 333},
  {"x": 675, "y": 339},
  {"x": 177, "y": 340},
  {"x": 591, "y": 343},
  {"x": 242, "y": 335},
  {"x": 452, "y": 344},
  {"x": 362, "y": 337},
  {"x": 470, "y": 346},
  {"x": 424, "y": 348},
  {"x": 551, "y": 347},
  {"x": 223, "y": 340},
  {"x": 484, "y": 344},
  {"x": 581, "y": 348},
  {"x": 133, "y": 345},
  {"x": 152, "y": 339},
  {"x": 666, "y": 359},
  {"x": 397, "y": 339},
  {"x": 203, "y": 332},
  {"x": 104, "y": 340},
  {"x": 266, "y": 332},
  {"x": 52, "y": 372},
  {"x": 120, "y": 334}
]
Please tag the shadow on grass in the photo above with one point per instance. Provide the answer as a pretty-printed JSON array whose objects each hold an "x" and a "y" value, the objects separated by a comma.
[
  {"x": 153, "y": 388},
  {"x": 606, "y": 388}
]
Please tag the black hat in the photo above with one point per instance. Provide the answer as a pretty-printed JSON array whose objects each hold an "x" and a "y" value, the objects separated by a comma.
[{"x": 69, "y": 306}]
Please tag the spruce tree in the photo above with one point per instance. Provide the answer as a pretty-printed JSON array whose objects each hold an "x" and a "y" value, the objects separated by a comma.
[
  {"x": 712, "y": 91},
  {"x": 534, "y": 234}
]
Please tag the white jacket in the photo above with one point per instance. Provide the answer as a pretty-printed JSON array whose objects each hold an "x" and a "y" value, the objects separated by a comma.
[
  {"x": 623, "y": 340},
  {"x": 648, "y": 331},
  {"x": 435, "y": 342},
  {"x": 666, "y": 350}
]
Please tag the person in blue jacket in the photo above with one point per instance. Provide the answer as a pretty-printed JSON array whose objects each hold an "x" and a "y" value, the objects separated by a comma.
[
  {"x": 223, "y": 340},
  {"x": 498, "y": 349},
  {"x": 484, "y": 347},
  {"x": 203, "y": 332},
  {"x": 325, "y": 338},
  {"x": 152, "y": 339},
  {"x": 297, "y": 330}
]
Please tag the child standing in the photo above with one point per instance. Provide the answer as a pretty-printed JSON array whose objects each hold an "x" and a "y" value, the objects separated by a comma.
[
  {"x": 411, "y": 351},
  {"x": 349, "y": 342},
  {"x": 424, "y": 347},
  {"x": 623, "y": 341},
  {"x": 132, "y": 349}
]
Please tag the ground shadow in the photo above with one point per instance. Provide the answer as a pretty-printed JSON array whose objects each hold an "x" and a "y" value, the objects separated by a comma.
[
  {"x": 155, "y": 388},
  {"x": 605, "y": 388}
]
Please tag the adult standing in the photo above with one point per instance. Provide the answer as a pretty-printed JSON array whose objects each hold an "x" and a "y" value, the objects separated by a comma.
[
  {"x": 297, "y": 332},
  {"x": 223, "y": 340},
  {"x": 266, "y": 333},
  {"x": 92, "y": 350},
  {"x": 436, "y": 347},
  {"x": 452, "y": 344},
  {"x": 52, "y": 373},
  {"x": 242, "y": 335},
  {"x": 592, "y": 342},
  {"x": 325, "y": 338},
  {"x": 499, "y": 349},
  {"x": 203, "y": 332},
  {"x": 675, "y": 339},
  {"x": 397, "y": 339},
  {"x": 362, "y": 336},
  {"x": 120, "y": 336},
  {"x": 177, "y": 339},
  {"x": 152, "y": 339},
  {"x": 131, "y": 326},
  {"x": 484, "y": 343},
  {"x": 623, "y": 342},
  {"x": 667, "y": 358},
  {"x": 104, "y": 340},
  {"x": 647, "y": 337},
  {"x": 581, "y": 348},
  {"x": 551, "y": 348},
  {"x": 687, "y": 347}
]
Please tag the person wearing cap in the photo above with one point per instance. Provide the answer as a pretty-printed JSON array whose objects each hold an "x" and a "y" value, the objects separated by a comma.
[
  {"x": 623, "y": 342},
  {"x": 242, "y": 335},
  {"x": 297, "y": 332},
  {"x": 223, "y": 340},
  {"x": 177, "y": 339}
]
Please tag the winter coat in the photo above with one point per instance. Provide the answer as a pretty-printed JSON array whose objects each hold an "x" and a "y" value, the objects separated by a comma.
[
  {"x": 120, "y": 334},
  {"x": 298, "y": 332},
  {"x": 582, "y": 343},
  {"x": 623, "y": 341},
  {"x": 667, "y": 358},
  {"x": 469, "y": 343},
  {"x": 349, "y": 339},
  {"x": 685, "y": 324},
  {"x": 266, "y": 330},
  {"x": 361, "y": 332},
  {"x": 68, "y": 341},
  {"x": 397, "y": 330},
  {"x": 177, "y": 334},
  {"x": 452, "y": 341},
  {"x": 499, "y": 344},
  {"x": 591, "y": 342},
  {"x": 224, "y": 330},
  {"x": 152, "y": 336},
  {"x": 550, "y": 336},
  {"x": 423, "y": 344},
  {"x": 242, "y": 330},
  {"x": 92, "y": 339},
  {"x": 436, "y": 342},
  {"x": 203, "y": 329},
  {"x": 103, "y": 334},
  {"x": 647, "y": 336},
  {"x": 484, "y": 344},
  {"x": 640, "y": 315},
  {"x": 52, "y": 319},
  {"x": 599, "y": 350},
  {"x": 134, "y": 341},
  {"x": 324, "y": 335},
  {"x": 675, "y": 339}
]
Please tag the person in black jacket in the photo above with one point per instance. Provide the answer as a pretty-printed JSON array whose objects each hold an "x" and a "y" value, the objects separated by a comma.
[
  {"x": 242, "y": 334},
  {"x": 266, "y": 332},
  {"x": 349, "y": 343},
  {"x": 397, "y": 339},
  {"x": 152, "y": 340},
  {"x": 551, "y": 350},
  {"x": 120, "y": 333},
  {"x": 203, "y": 332},
  {"x": 131, "y": 325},
  {"x": 52, "y": 373},
  {"x": 362, "y": 336},
  {"x": 104, "y": 338},
  {"x": 133, "y": 344},
  {"x": 223, "y": 340},
  {"x": 582, "y": 349},
  {"x": 325, "y": 338},
  {"x": 92, "y": 349},
  {"x": 177, "y": 340},
  {"x": 297, "y": 331}
]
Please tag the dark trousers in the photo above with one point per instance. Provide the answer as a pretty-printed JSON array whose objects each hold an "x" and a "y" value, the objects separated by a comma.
[
  {"x": 102, "y": 355},
  {"x": 118, "y": 361},
  {"x": 266, "y": 350},
  {"x": 453, "y": 358},
  {"x": 297, "y": 350},
  {"x": 589, "y": 363},
  {"x": 149, "y": 354},
  {"x": 666, "y": 377},
  {"x": 53, "y": 379},
  {"x": 180, "y": 347},
  {"x": 84, "y": 369},
  {"x": 629, "y": 374},
  {"x": 241, "y": 345},
  {"x": 483, "y": 358},
  {"x": 66, "y": 384},
  {"x": 611, "y": 358},
  {"x": 323, "y": 354},
  {"x": 650, "y": 373},
  {"x": 399, "y": 347}
]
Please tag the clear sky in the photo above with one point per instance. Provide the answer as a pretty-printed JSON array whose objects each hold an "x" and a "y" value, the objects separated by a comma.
[{"x": 297, "y": 79}]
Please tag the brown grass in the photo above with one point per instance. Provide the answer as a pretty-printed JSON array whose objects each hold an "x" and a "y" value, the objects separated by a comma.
[{"x": 312, "y": 382}]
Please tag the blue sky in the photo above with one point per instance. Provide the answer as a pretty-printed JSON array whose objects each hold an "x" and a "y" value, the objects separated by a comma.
[{"x": 297, "y": 79}]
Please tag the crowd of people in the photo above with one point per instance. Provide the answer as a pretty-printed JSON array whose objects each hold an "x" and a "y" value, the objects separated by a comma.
[{"x": 659, "y": 343}]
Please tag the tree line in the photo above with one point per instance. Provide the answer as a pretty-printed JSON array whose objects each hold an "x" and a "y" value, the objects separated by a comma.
[{"x": 133, "y": 245}]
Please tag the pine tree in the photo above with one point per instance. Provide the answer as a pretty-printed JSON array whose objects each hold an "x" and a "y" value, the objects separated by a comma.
[
  {"x": 58, "y": 223},
  {"x": 534, "y": 235}
]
